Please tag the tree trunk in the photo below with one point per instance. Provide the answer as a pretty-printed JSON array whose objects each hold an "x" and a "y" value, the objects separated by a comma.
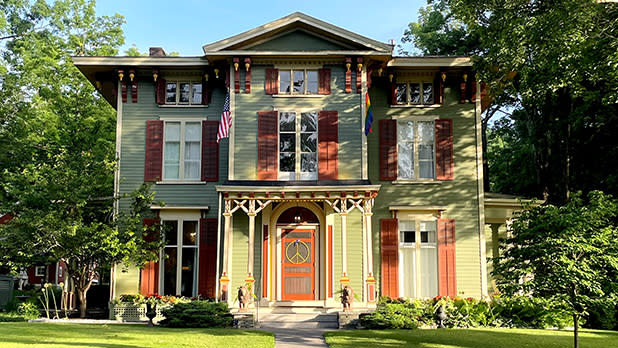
[
  {"x": 82, "y": 302},
  {"x": 575, "y": 330}
]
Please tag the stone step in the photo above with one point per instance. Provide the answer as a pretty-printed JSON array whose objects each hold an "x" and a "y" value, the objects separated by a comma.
[{"x": 306, "y": 321}]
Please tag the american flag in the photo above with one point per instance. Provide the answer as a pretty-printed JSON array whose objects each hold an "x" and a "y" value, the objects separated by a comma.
[{"x": 226, "y": 120}]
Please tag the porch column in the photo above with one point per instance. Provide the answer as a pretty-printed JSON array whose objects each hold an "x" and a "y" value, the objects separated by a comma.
[
  {"x": 250, "y": 280},
  {"x": 224, "y": 280},
  {"x": 371, "y": 281},
  {"x": 344, "y": 248}
]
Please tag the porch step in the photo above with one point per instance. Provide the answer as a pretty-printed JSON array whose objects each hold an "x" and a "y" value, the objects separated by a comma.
[{"x": 298, "y": 320}]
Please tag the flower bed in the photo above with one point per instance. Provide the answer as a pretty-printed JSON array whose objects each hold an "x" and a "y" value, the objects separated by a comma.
[{"x": 132, "y": 308}]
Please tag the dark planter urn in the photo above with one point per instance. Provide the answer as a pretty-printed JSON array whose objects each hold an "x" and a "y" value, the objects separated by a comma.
[
  {"x": 440, "y": 317},
  {"x": 151, "y": 312}
]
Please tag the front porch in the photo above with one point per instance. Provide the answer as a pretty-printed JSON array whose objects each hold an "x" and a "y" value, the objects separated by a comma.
[{"x": 295, "y": 247}]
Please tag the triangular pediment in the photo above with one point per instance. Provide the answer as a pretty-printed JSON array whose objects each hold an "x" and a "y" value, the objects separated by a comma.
[{"x": 297, "y": 32}]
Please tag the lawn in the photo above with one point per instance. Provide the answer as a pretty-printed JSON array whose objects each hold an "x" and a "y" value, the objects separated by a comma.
[
  {"x": 470, "y": 338},
  {"x": 17, "y": 335}
]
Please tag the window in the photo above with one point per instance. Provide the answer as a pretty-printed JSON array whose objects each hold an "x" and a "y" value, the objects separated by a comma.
[
  {"x": 179, "y": 257},
  {"x": 298, "y": 146},
  {"x": 415, "y": 150},
  {"x": 183, "y": 92},
  {"x": 414, "y": 92},
  {"x": 181, "y": 152},
  {"x": 298, "y": 81},
  {"x": 39, "y": 271},
  {"x": 418, "y": 258}
]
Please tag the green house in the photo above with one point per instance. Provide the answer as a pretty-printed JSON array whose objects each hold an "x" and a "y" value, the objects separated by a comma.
[{"x": 305, "y": 195}]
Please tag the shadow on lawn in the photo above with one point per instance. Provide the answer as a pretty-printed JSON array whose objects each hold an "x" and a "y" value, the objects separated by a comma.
[{"x": 472, "y": 338}]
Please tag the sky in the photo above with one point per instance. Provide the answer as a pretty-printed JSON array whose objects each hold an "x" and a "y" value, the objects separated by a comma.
[{"x": 184, "y": 26}]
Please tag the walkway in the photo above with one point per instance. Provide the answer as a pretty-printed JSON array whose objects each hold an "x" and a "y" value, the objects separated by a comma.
[{"x": 298, "y": 337}]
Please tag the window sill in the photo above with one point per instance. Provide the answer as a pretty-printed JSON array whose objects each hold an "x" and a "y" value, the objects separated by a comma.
[
  {"x": 181, "y": 106},
  {"x": 416, "y": 182},
  {"x": 415, "y": 106},
  {"x": 169, "y": 182},
  {"x": 299, "y": 95}
]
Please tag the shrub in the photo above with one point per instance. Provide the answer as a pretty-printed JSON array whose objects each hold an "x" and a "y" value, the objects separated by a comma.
[
  {"x": 28, "y": 310},
  {"x": 199, "y": 313},
  {"x": 11, "y": 317},
  {"x": 531, "y": 312},
  {"x": 397, "y": 314},
  {"x": 602, "y": 315}
]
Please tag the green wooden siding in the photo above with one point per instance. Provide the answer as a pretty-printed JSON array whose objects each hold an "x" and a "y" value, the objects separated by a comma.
[
  {"x": 354, "y": 251},
  {"x": 459, "y": 196},
  {"x": 134, "y": 117}
]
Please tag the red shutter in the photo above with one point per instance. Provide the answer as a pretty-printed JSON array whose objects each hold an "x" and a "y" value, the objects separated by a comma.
[
  {"x": 271, "y": 81},
  {"x": 389, "y": 228},
  {"x": 154, "y": 150},
  {"x": 134, "y": 91},
  {"x": 438, "y": 89},
  {"x": 388, "y": 150},
  {"x": 462, "y": 91},
  {"x": 210, "y": 151},
  {"x": 205, "y": 93},
  {"x": 160, "y": 94},
  {"x": 208, "y": 258},
  {"x": 328, "y": 133},
  {"x": 393, "y": 93},
  {"x": 149, "y": 275},
  {"x": 267, "y": 145},
  {"x": 324, "y": 81},
  {"x": 473, "y": 89},
  {"x": 248, "y": 76},
  {"x": 446, "y": 258},
  {"x": 124, "y": 91},
  {"x": 444, "y": 149}
]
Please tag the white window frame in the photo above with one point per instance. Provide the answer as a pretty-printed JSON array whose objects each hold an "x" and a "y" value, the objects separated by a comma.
[
  {"x": 180, "y": 218},
  {"x": 178, "y": 82},
  {"x": 181, "y": 169},
  {"x": 297, "y": 174},
  {"x": 39, "y": 271},
  {"x": 421, "y": 92},
  {"x": 306, "y": 79},
  {"x": 416, "y": 246},
  {"x": 416, "y": 143}
]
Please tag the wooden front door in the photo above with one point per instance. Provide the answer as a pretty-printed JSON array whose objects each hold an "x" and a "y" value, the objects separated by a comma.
[{"x": 298, "y": 263}]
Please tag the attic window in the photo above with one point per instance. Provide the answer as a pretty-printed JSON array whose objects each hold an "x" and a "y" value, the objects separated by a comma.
[
  {"x": 298, "y": 81},
  {"x": 183, "y": 92}
]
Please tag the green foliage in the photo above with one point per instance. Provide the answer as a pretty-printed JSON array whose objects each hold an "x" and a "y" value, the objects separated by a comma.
[
  {"x": 516, "y": 311},
  {"x": 28, "y": 310},
  {"x": 603, "y": 315},
  {"x": 200, "y": 313}
]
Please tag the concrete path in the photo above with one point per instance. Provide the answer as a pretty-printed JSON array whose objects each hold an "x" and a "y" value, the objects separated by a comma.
[{"x": 298, "y": 337}]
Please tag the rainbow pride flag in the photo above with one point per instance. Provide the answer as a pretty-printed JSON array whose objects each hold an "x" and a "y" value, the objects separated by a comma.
[{"x": 368, "y": 115}]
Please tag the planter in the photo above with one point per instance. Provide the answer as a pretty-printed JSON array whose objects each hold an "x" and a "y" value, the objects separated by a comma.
[{"x": 131, "y": 312}]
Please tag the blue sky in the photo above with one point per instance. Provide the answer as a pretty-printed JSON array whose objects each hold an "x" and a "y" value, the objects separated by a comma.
[{"x": 185, "y": 25}]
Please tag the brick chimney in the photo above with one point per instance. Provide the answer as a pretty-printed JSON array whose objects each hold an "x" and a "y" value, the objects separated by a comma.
[{"x": 157, "y": 52}]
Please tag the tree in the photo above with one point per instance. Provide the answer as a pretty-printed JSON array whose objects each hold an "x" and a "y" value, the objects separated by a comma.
[
  {"x": 567, "y": 253},
  {"x": 57, "y": 153}
]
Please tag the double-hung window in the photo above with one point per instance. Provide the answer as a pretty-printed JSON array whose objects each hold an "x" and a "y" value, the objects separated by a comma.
[
  {"x": 418, "y": 258},
  {"x": 298, "y": 145},
  {"x": 181, "y": 151},
  {"x": 179, "y": 255},
  {"x": 298, "y": 81},
  {"x": 416, "y": 150},
  {"x": 414, "y": 93},
  {"x": 183, "y": 92}
]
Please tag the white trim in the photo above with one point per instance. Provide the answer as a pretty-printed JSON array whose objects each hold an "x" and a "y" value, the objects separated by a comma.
[
  {"x": 430, "y": 61},
  {"x": 299, "y": 95},
  {"x": 141, "y": 61},
  {"x": 480, "y": 192},
  {"x": 286, "y": 188},
  {"x": 426, "y": 208},
  {"x": 364, "y": 166},
  {"x": 416, "y": 182},
  {"x": 179, "y": 207},
  {"x": 182, "y": 106},
  {"x": 37, "y": 269},
  {"x": 232, "y": 132},
  {"x": 182, "y": 146},
  {"x": 180, "y": 182}
]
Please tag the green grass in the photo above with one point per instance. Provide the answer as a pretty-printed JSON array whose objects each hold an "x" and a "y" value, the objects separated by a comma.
[
  {"x": 470, "y": 338},
  {"x": 17, "y": 335}
]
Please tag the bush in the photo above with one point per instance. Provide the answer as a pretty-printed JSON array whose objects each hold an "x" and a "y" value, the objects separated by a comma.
[
  {"x": 602, "y": 315},
  {"x": 398, "y": 314},
  {"x": 28, "y": 310},
  {"x": 199, "y": 313},
  {"x": 530, "y": 312},
  {"x": 11, "y": 317}
]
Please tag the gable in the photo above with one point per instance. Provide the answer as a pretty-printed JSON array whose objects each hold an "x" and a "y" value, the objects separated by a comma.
[{"x": 299, "y": 40}]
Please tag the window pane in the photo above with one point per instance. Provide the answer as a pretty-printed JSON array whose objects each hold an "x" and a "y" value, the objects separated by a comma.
[
  {"x": 172, "y": 131},
  {"x": 287, "y": 122},
  {"x": 429, "y": 272},
  {"x": 415, "y": 93},
  {"x": 196, "y": 96},
  {"x": 408, "y": 269},
  {"x": 189, "y": 232},
  {"x": 426, "y": 132},
  {"x": 192, "y": 160},
  {"x": 170, "y": 229},
  {"x": 169, "y": 271},
  {"x": 428, "y": 232},
  {"x": 299, "y": 82},
  {"x": 309, "y": 163},
  {"x": 427, "y": 93},
  {"x": 407, "y": 237},
  {"x": 309, "y": 142},
  {"x": 312, "y": 82},
  {"x": 170, "y": 93},
  {"x": 287, "y": 142},
  {"x": 192, "y": 131},
  {"x": 308, "y": 122},
  {"x": 284, "y": 81},
  {"x": 405, "y": 150},
  {"x": 287, "y": 162},
  {"x": 400, "y": 92},
  {"x": 171, "y": 162},
  {"x": 188, "y": 272},
  {"x": 185, "y": 90}
]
